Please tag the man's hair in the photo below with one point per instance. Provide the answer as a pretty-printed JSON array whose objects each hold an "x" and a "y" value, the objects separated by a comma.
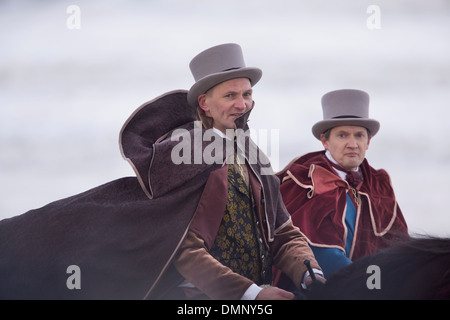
[{"x": 207, "y": 122}]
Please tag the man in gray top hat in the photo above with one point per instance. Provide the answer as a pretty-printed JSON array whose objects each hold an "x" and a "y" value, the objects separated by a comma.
[
  {"x": 203, "y": 218},
  {"x": 241, "y": 227},
  {"x": 345, "y": 208}
]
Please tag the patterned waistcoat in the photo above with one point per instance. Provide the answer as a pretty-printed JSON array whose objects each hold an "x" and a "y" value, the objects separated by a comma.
[{"x": 239, "y": 244}]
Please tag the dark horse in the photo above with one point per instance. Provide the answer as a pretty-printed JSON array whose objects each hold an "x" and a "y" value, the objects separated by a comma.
[{"x": 413, "y": 268}]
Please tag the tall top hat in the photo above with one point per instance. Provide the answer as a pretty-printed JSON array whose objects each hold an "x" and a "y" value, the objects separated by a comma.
[
  {"x": 347, "y": 107},
  {"x": 218, "y": 64}
]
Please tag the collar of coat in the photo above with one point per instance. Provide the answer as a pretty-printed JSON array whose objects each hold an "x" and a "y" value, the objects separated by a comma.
[
  {"x": 150, "y": 134},
  {"x": 314, "y": 172},
  {"x": 146, "y": 142},
  {"x": 320, "y": 186}
]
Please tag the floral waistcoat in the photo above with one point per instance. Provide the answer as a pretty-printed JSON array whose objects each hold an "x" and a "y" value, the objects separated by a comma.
[{"x": 239, "y": 244}]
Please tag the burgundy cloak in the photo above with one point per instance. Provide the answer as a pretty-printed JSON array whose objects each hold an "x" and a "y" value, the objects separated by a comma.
[
  {"x": 122, "y": 235},
  {"x": 315, "y": 196}
]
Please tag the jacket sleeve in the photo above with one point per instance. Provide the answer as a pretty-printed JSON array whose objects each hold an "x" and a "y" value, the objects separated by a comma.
[
  {"x": 207, "y": 274},
  {"x": 289, "y": 250},
  {"x": 330, "y": 259}
]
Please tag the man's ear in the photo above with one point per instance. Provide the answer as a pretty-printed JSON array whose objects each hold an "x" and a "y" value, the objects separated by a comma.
[
  {"x": 202, "y": 104},
  {"x": 324, "y": 141}
]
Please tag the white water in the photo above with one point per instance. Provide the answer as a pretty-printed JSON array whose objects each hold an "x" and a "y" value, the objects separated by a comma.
[{"x": 64, "y": 94}]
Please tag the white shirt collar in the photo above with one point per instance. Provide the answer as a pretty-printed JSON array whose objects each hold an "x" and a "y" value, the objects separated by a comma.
[
  {"x": 221, "y": 134},
  {"x": 341, "y": 174}
]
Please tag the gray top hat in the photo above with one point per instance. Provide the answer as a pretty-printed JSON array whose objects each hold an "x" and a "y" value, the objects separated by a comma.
[
  {"x": 218, "y": 64},
  {"x": 347, "y": 107}
]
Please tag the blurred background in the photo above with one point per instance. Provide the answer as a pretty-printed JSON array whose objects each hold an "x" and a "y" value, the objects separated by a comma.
[{"x": 71, "y": 76}]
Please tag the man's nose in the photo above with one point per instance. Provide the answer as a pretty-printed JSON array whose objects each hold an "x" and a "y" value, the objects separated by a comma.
[
  {"x": 351, "y": 143},
  {"x": 240, "y": 104}
]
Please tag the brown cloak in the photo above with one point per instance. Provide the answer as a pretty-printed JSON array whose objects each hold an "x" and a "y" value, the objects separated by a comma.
[{"x": 122, "y": 235}]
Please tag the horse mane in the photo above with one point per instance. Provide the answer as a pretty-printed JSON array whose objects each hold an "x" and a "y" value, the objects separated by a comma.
[{"x": 411, "y": 268}]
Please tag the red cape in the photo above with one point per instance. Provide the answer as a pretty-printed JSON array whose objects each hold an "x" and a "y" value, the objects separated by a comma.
[{"x": 315, "y": 196}]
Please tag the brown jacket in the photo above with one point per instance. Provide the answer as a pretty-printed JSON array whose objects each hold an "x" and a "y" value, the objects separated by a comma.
[
  {"x": 287, "y": 244},
  {"x": 190, "y": 259}
]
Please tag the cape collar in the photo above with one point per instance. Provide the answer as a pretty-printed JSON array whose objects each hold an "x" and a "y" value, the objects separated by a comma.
[
  {"x": 342, "y": 174},
  {"x": 146, "y": 142}
]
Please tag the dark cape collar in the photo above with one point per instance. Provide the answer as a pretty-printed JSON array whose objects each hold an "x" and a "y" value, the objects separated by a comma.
[{"x": 149, "y": 136}]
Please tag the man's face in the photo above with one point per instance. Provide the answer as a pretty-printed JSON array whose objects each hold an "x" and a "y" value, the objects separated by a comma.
[
  {"x": 347, "y": 145},
  {"x": 226, "y": 102}
]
